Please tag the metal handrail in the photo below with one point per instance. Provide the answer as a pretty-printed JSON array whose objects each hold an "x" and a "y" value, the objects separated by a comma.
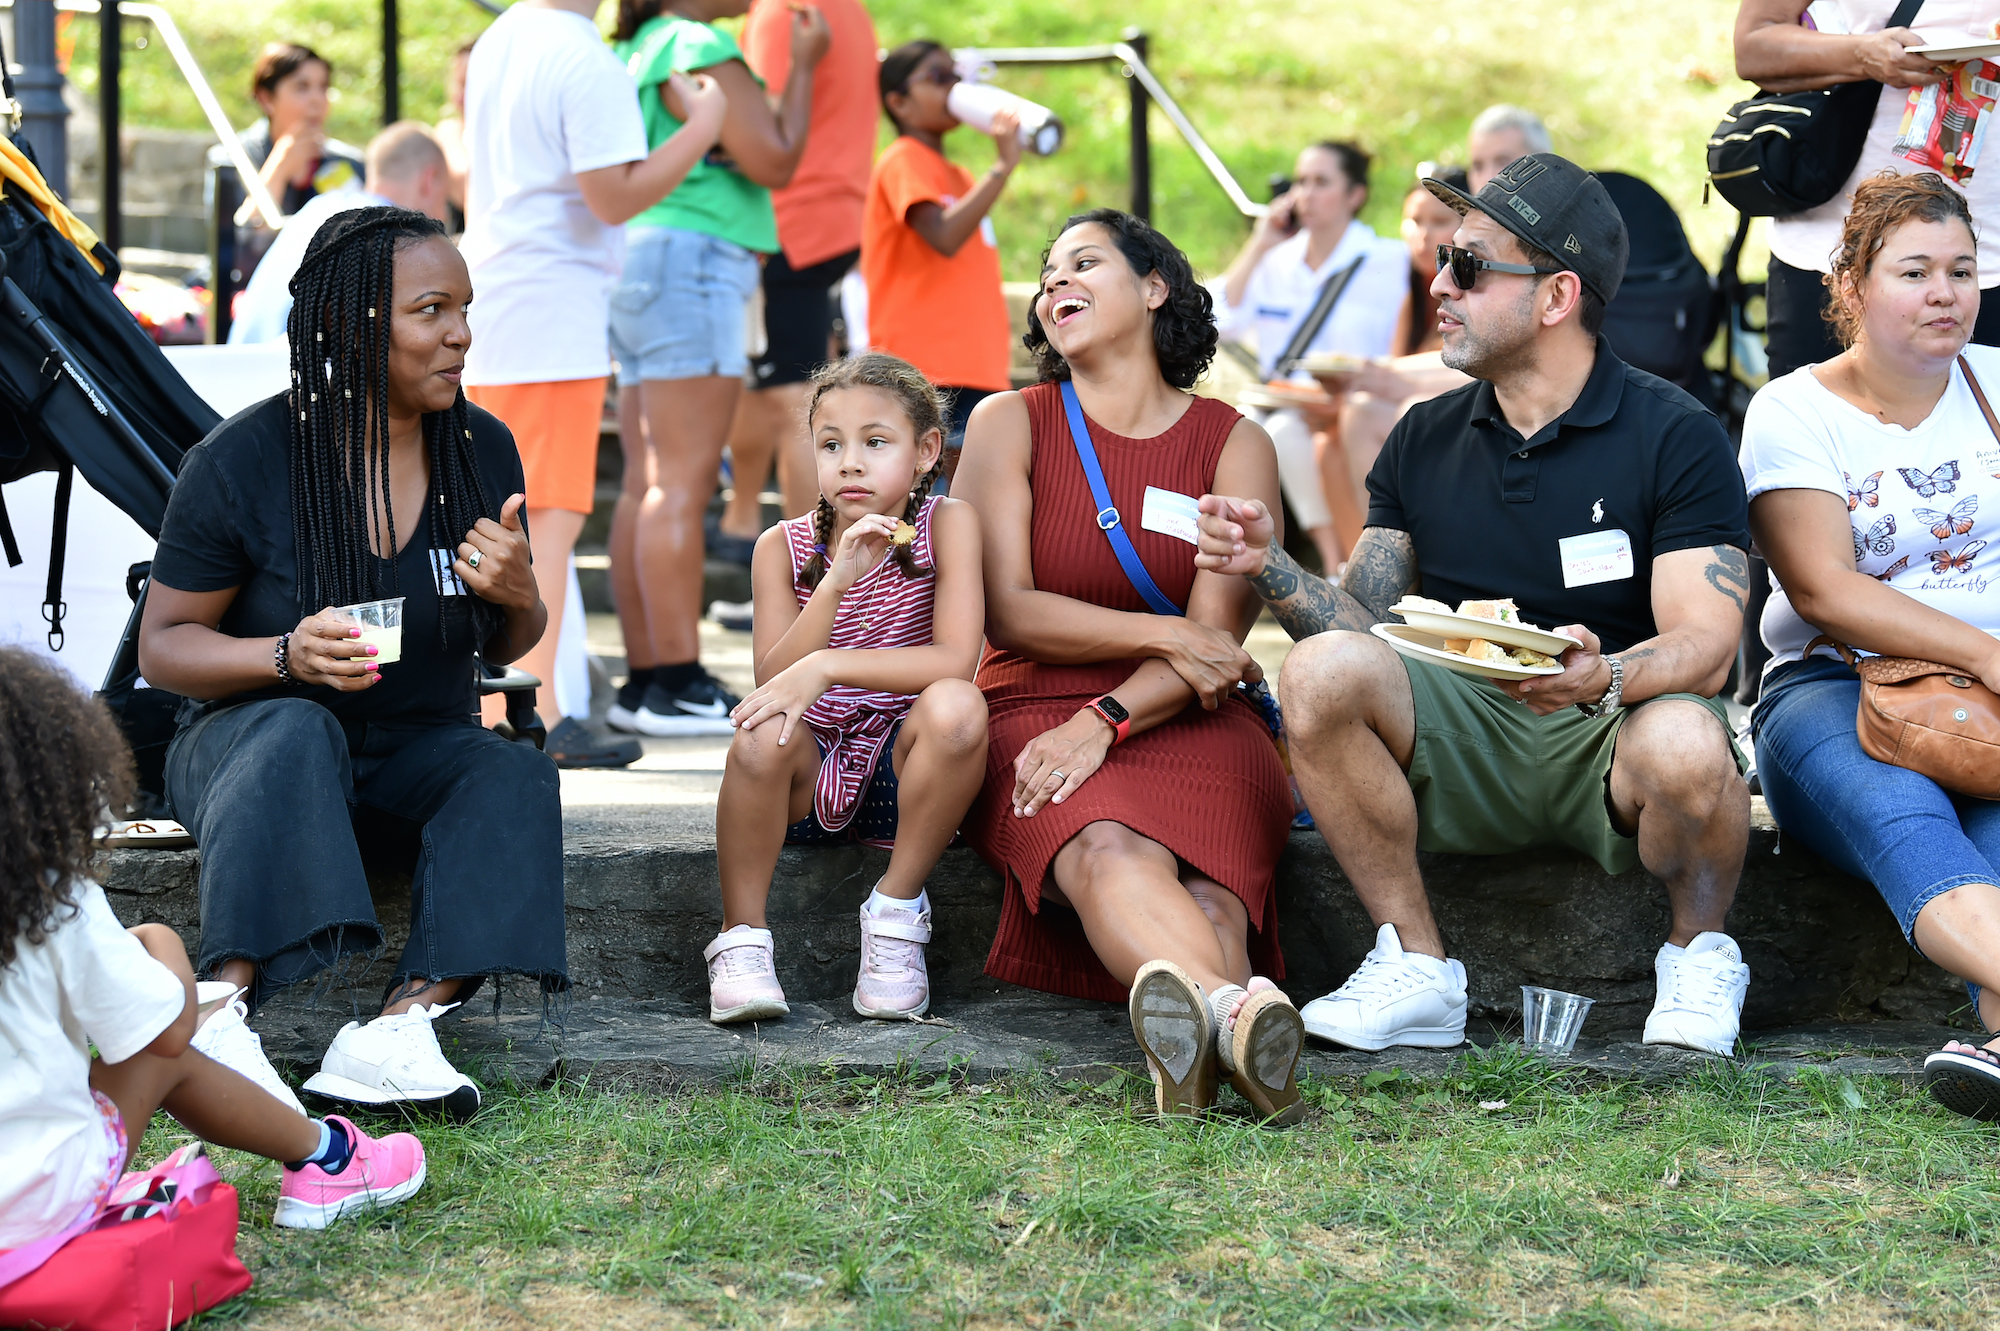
[
  {"x": 218, "y": 120},
  {"x": 1136, "y": 64}
]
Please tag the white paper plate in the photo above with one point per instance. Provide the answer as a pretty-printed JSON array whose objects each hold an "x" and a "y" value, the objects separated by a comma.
[
  {"x": 1466, "y": 626},
  {"x": 1330, "y": 362},
  {"x": 1267, "y": 400},
  {"x": 1951, "y": 53},
  {"x": 1421, "y": 646}
]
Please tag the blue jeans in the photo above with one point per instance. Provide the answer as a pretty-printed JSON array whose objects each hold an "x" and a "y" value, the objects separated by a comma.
[
  {"x": 681, "y": 310},
  {"x": 1901, "y": 831}
]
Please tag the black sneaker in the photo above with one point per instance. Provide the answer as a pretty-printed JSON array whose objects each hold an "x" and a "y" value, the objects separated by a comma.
[
  {"x": 702, "y": 708},
  {"x": 574, "y": 744},
  {"x": 624, "y": 713}
]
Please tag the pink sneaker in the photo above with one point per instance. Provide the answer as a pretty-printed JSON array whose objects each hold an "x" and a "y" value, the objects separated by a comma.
[
  {"x": 893, "y": 983},
  {"x": 743, "y": 977},
  {"x": 380, "y": 1173}
]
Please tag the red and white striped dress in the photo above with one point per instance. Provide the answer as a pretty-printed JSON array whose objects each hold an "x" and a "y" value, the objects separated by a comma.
[{"x": 883, "y": 610}]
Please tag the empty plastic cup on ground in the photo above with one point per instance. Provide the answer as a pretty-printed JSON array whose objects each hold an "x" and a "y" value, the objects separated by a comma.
[
  {"x": 381, "y": 625},
  {"x": 1551, "y": 1019}
]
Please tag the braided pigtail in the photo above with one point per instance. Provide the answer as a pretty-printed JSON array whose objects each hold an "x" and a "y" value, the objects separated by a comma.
[
  {"x": 921, "y": 402},
  {"x": 906, "y": 555},
  {"x": 815, "y": 569}
]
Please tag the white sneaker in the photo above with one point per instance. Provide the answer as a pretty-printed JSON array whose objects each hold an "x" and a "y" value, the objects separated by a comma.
[
  {"x": 395, "y": 1060},
  {"x": 1396, "y": 997},
  {"x": 1701, "y": 988},
  {"x": 227, "y": 1038}
]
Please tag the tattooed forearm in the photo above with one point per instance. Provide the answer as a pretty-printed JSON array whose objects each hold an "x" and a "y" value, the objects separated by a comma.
[
  {"x": 1306, "y": 604},
  {"x": 1728, "y": 572}
]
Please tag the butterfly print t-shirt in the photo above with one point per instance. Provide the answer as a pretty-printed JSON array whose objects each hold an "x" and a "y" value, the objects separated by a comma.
[{"x": 1924, "y": 504}]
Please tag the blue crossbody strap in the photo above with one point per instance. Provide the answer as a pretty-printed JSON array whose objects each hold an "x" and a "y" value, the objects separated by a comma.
[{"x": 1107, "y": 513}]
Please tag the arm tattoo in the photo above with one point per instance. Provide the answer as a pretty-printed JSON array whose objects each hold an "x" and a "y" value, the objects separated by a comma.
[
  {"x": 1380, "y": 572},
  {"x": 1728, "y": 572}
]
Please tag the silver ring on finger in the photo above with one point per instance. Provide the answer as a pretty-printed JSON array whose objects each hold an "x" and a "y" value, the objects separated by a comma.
[
  {"x": 1057, "y": 773},
  {"x": 472, "y": 560}
]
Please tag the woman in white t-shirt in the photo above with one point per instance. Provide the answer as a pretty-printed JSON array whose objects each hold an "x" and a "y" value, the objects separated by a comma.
[
  {"x": 72, "y": 977},
  {"x": 1874, "y": 482}
]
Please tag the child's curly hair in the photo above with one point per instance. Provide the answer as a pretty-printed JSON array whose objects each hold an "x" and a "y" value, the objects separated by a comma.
[
  {"x": 921, "y": 402},
  {"x": 1882, "y": 203},
  {"x": 63, "y": 762}
]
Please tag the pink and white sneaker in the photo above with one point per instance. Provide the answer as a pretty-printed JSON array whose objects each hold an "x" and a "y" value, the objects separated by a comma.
[
  {"x": 743, "y": 977},
  {"x": 894, "y": 982},
  {"x": 380, "y": 1172}
]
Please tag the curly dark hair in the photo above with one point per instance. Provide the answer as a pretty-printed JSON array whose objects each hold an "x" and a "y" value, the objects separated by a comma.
[
  {"x": 63, "y": 762},
  {"x": 1184, "y": 335},
  {"x": 1882, "y": 203}
]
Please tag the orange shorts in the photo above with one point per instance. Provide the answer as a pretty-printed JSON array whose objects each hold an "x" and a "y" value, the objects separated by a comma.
[{"x": 555, "y": 428}]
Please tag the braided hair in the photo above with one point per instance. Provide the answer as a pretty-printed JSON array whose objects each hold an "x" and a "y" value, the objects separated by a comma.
[
  {"x": 339, "y": 420},
  {"x": 921, "y": 402}
]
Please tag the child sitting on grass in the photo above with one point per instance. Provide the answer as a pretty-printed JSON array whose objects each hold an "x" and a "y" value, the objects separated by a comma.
[
  {"x": 71, "y": 977},
  {"x": 869, "y": 617}
]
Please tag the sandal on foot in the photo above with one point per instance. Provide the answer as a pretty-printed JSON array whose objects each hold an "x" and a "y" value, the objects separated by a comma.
[
  {"x": 1260, "y": 1049},
  {"x": 1965, "y": 1079},
  {"x": 1171, "y": 1022}
]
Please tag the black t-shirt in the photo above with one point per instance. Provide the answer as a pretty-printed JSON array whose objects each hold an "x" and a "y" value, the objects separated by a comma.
[
  {"x": 229, "y": 524},
  {"x": 1491, "y": 515},
  {"x": 340, "y": 167}
]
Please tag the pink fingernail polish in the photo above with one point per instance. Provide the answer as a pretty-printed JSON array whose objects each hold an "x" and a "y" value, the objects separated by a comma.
[
  {"x": 373, "y": 650},
  {"x": 354, "y": 633}
]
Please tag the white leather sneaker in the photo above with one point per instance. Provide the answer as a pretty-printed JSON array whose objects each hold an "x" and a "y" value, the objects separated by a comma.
[
  {"x": 1700, "y": 1000},
  {"x": 227, "y": 1038},
  {"x": 1395, "y": 997},
  {"x": 395, "y": 1060}
]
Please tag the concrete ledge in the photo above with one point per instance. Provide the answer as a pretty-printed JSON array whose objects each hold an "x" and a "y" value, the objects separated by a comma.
[{"x": 642, "y": 903}]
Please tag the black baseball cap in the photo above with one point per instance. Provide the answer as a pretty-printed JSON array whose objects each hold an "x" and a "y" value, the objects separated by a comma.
[{"x": 1553, "y": 204}]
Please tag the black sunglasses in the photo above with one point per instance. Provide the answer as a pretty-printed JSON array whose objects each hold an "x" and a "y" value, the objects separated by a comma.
[
  {"x": 1466, "y": 266},
  {"x": 942, "y": 75}
]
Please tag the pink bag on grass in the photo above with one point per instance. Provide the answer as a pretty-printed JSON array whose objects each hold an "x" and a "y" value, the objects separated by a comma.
[{"x": 162, "y": 1249}]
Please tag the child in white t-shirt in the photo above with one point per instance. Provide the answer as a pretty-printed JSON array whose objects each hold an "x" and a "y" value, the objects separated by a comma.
[{"x": 71, "y": 977}]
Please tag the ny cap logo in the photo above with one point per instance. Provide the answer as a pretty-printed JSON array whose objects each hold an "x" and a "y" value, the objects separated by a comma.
[
  {"x": 1518, "y": 173},
  {"x": 1515, "y": 202}
]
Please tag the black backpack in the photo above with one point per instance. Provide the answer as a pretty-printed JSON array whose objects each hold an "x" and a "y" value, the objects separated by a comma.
[{"x": 1666, "y": 311}]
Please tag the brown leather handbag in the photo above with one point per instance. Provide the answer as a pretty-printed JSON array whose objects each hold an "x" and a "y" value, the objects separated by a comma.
[{"x": 1933, "y": 719}]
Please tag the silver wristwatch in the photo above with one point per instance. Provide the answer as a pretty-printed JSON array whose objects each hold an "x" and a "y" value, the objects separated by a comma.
[{"x": 1614, "y": 697}]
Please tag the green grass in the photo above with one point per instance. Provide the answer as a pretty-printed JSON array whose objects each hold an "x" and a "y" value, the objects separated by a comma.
[
  {"x": 786, "y": 1201},
  {"x": 1631, "y": 84}
]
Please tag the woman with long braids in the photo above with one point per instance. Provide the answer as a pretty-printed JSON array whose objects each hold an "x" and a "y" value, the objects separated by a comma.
[
  {"x": 1138, "y": 834},
  {"x": 370, "y": 478}
]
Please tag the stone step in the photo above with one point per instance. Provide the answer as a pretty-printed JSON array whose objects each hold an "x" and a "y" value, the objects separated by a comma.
[{"x": 642, "y": 901}]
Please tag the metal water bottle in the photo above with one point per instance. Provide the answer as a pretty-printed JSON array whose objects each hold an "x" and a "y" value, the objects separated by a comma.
[{"x": 976, "y": 104}]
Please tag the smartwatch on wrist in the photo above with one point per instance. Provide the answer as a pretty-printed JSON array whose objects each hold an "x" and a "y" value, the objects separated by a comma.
[
  {"x": 1114, "y": 715},
  {"x": 1614, "y": 697}
]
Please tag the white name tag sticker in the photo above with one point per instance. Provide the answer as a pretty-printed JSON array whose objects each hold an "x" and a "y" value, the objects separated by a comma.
[
  {"x": 1596, "y": 556},
  {"x": 448, "y": 582},
  {"x": 1171, "y": 513}
]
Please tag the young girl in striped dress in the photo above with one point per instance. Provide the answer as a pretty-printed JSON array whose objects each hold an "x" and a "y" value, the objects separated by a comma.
[{"x": 865, "y": 725}]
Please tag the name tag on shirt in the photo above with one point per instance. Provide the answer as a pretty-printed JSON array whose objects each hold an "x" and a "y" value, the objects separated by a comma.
[
  {"x": 1171, "y": 513},
  {"x": 1596, "y": 556},
  {"x": 448, "y": 582},
  {"x": 986, "y": 232}
]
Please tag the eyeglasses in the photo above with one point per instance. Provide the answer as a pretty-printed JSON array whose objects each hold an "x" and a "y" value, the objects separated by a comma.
[
  {"x": 942, "y": 75},
  {"x": 1466, "y": 266}
]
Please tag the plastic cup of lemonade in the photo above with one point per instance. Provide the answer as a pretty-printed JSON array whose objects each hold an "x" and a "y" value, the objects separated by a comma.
[
  {"x": 1551, "y": 1019},
  {"x": 381, "y": 625}
]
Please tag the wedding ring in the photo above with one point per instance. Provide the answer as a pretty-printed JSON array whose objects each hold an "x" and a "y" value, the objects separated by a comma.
[
  {"x": 472, "y": 560},
  {"x": 1057, "y": 773}
]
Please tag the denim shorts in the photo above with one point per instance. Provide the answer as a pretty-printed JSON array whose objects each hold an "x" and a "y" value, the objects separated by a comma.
[
  {"x": 1901, "y": 831},
  {"x": 681, "y": 311}
]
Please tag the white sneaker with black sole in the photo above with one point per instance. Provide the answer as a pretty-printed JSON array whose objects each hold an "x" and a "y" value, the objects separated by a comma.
[
  {"x": 1700, "y": 997},
  {"x": 1393, "y": 998},
  {"x": 395, "y": 1061},
  {"x": 702, "y": 708},
  {"x": 227, "y": 1038}
]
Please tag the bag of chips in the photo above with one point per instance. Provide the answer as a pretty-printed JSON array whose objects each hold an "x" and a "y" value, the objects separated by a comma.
[{"x": 1945, "y": 124}]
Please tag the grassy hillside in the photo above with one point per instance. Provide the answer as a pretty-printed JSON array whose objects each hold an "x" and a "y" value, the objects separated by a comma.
[{"x": 1623, "y": 84}]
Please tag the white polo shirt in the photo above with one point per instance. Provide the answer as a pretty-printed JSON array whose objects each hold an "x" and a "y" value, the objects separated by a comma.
[{"x": 1282, "y": 289}]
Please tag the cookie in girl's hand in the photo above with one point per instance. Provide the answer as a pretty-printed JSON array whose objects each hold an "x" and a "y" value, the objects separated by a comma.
[{"x": 903, "y": 535}]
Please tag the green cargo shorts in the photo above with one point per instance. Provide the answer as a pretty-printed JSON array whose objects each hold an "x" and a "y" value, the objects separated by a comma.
[{"x": 1491, "y": 777}]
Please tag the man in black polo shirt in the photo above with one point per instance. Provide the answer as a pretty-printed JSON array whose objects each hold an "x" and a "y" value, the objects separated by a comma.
[{"x": 1604, "y": 502}]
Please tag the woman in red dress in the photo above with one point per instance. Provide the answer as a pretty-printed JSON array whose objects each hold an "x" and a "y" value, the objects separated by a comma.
[{"x": 1138, "y": 834}]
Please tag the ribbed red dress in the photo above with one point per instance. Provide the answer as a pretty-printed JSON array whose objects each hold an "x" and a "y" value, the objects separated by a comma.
[{"x": 1206, "y": 785}]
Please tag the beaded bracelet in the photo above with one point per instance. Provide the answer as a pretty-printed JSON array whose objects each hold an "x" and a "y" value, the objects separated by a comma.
[{"x": 282, "y": 658}]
